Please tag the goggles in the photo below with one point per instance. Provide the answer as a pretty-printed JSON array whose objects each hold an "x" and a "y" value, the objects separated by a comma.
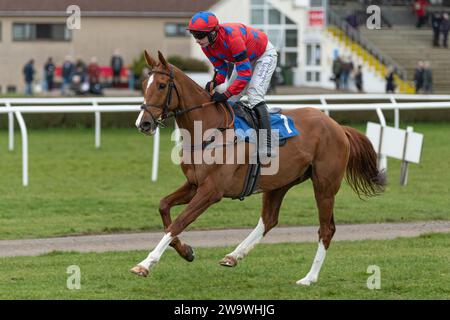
[{"x": 199, "y": 34}]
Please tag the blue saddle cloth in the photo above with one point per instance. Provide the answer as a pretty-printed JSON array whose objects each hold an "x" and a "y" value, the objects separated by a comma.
[{"x": 282, "y": 128}]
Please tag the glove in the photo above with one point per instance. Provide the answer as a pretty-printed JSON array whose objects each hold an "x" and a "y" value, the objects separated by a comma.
[
  {"x": 208, "y": 85},
  {"x": 221, "y": 97}
]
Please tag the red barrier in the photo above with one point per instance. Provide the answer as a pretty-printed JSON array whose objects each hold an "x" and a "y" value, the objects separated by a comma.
[{"x": 105, "y": 72}]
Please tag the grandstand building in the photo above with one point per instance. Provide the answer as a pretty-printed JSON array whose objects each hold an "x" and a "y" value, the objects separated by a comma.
[{"x": 308, "y": 35}]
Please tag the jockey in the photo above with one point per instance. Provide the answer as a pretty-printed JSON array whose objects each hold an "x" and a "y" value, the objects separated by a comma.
[{"x": 255, "y": 60}]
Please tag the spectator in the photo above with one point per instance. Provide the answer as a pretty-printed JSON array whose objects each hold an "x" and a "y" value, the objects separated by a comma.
[
  {"x": 66, "y": 74},
  {"x": 337, "y": 69},
  {"x": 418, "y": 76},
  {"x": 436, "y": 20},
  {"x": 445, "y": 27},
  {"x": 131, "y": 78},
  {"x": 390, "y": 80},
  {"x": 49, "y": 71},
  {"x": 347, "y": 69},
  {"x": 359, "y": 79},
  {"x": 420, "y": 9},
  {"x": 116, "y": 65},
  {"x": 28, "y": 71},
  {"x": 80, "y": 79},
  {"x": 81, "y": 70},
  {"x": 352, "y": 19},
  {"x": 94, "y": 71},
  {"x": 427, "y": 78}
]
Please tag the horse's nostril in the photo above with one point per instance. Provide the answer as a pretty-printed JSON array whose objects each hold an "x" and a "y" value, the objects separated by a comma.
[{"x": 146, "y": 125}]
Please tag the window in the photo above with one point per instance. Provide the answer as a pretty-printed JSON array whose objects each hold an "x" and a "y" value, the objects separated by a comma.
[
  {"x": 291, "y": 38},
  {"x": 313, "y": 62},
  {"x": 316, "y": 3},
  {"x": 313, "y": 55},
  {"x": 291, "y": 59},
  {"x": 313, "y": 76},
  {"x": 257, "y": 16},
  {"x": 317, "y": 55},
  {"x": 176, "y": 30},
  {"x": 289, "y": 21},
  {"x": 275, "y": 36},
  {"x": 41, "y": 32},
  {"x": 274, "y": 16},
  {"x": 281, "y": 31}
]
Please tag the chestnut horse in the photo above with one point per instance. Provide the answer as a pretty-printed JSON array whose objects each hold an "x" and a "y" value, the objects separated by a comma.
[{"x": 324, "y": 152}]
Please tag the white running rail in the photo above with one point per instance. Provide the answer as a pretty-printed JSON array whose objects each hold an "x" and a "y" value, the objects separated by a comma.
[{"x": 19, "y": 106}]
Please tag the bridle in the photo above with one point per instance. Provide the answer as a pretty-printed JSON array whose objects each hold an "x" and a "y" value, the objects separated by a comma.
[{"x": 178, "y": 111}]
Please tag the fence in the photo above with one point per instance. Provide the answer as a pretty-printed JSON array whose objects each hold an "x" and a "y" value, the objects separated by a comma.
[{"x": 17, "y": 107}]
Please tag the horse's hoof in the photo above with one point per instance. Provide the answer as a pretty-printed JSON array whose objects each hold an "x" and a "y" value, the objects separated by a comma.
[
  {"x": 140, "y": 271},
  {"x": 228, "y": 261},
  {"x": 190, "y": 255},
  {"x": 306, "y": 281}
]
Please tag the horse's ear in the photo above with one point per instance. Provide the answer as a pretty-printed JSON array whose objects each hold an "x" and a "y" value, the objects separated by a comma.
[
  {"x": 150, "y": 61},
  {"x": 162, "y": 59}
]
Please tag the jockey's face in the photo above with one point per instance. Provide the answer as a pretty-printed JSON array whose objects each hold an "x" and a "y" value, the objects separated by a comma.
[{"x": 203, "y": 42}]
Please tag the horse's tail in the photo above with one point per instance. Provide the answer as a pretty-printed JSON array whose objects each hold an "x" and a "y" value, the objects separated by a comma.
[{"x": 362, "y": 171}]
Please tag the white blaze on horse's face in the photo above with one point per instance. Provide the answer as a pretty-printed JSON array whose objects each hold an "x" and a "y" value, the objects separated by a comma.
[{"x": 149, "y": 82}]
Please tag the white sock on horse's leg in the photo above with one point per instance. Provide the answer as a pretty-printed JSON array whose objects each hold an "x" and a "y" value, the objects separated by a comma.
[
  {"x": 313, "y": 274},
  {"x": 156, "y": 254},
  {"x": 252, "y": 239}
]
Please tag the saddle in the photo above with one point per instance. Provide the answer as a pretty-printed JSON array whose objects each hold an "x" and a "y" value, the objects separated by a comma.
[{"x": 242, "y": 110}]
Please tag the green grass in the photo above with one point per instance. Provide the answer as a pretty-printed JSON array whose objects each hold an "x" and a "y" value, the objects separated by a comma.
[
  {"x": 411, "y": 268},
  {"x": 76, "y": 189}
]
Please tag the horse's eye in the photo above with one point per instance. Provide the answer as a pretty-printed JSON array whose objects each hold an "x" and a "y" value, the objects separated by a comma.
[{"x": 162, "y": 86}]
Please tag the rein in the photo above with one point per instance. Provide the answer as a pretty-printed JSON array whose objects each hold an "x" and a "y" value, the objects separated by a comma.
[{"x": 177, "y": 112}]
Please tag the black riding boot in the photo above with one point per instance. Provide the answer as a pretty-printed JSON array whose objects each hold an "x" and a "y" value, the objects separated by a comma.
[{"x": 264, "y": 123}]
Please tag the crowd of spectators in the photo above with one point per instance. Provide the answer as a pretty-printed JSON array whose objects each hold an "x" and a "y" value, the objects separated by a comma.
[
  {"x": 76, "y": 76},
  {"x": 344, "y": 72}
]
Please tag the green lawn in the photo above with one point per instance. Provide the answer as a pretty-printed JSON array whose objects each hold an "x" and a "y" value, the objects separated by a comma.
[
  {"x": 411, "y": 268},
  {"x": 76, "y": 189}
]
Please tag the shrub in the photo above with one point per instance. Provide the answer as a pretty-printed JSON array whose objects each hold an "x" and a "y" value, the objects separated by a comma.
[
  {"x": 188, "y": 64},
  {"x": 185, "y": 64}
]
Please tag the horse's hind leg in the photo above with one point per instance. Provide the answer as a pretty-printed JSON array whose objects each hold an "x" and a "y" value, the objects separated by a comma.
[
  {"x": 269, "y": 219},
  {"x": 326, "y": 185}
]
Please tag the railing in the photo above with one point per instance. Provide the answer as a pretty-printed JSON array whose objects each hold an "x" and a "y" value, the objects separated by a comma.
[
  {"x": 18, "y": 107},
  {"x": 355, "y": 36},
  {"x": 376, "y": 2}
]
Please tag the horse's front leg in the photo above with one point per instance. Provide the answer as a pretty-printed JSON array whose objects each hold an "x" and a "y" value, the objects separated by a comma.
[
  {"x": 206, "y": 195},
  {"x": 182, "y": 195}
]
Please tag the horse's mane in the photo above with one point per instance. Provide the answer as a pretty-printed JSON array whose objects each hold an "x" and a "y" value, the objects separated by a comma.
[{"x": 195, "y": 85}]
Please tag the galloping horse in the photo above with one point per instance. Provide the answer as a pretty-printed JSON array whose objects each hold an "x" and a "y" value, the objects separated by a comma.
[{"x": 325, "y": 152}]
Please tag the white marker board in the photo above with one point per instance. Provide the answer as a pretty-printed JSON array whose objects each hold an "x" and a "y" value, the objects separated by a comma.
[{"x": 393, "y": 142}]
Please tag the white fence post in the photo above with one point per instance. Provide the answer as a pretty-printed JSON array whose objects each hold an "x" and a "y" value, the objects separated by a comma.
[
  {"x": 98, "y": 125},
  {"x": 10, "y": 127},
  {"x": 23, "y": 130},
  {"x": 155, "y": 155},
  {"x": 404, "y": 167},
  {"x": 382, "y": 163},
  {"x": 396, "y": 113},
  {"x": 323, "y": 101}
]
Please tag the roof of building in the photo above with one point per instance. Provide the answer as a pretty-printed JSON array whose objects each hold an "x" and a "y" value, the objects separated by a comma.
[{"x": 156, "y": 8}]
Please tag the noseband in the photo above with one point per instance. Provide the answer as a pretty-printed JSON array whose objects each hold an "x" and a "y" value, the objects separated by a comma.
[{"x": 177, "y": 111}]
